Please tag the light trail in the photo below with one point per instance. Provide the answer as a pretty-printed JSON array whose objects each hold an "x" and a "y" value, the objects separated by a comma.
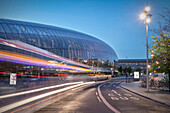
[
  {"x": 30, "y": 60},
  {"x": 36, "y": 90},
  {"x": 36, "y": 50},
  {"x": 17, "y": 104},
  {"x": 63, "y": 75}
]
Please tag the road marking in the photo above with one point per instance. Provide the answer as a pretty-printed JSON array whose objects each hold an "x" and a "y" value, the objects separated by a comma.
[
  {"x": 111, "y": 94},
  {"x": 134, "y": 98},
  {"x": 96, "y": 93},
  {"x": 114, "y": 91},
  {"x": 119, "y": 94},
  {"x": 127, "y": 94},
  {"x": 99, "y": 99},
  {"x": 122, "y": 98},
  {"x": 126, "y": 98},
  {"x": 36, "y": 90},
  {"x": 22, "y": 102},
  {"x": 105, "y": 102},
  {"x": 114, "y": 98}
]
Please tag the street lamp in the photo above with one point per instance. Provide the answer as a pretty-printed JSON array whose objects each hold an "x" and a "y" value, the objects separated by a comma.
[{"x": 146, "y": 17}]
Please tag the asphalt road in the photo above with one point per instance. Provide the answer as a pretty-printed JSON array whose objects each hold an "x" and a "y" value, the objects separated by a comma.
[{"x": 105, "y": 97}]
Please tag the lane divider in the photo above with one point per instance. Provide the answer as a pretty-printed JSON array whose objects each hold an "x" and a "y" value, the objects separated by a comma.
[
  {"x": 105, "y": 101},
  {"x": 17, "y": 104},
  {"x": 99, "y": 99},
  {"x": 40, "y": 89}
]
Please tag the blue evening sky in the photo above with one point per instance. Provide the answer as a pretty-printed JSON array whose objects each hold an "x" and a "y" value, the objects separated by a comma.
[{"x": 115, "y": 22}]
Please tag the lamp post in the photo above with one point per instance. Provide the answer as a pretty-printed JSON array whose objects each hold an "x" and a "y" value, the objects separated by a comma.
[{"x": 146, "y": 16}]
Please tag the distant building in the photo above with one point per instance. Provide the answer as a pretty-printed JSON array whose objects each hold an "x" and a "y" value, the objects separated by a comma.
[{"x": 134, "y": 64}]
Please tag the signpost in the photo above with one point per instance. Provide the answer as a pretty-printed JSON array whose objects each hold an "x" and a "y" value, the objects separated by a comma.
[
  {"x": 136, "y": 75},
  {"x": 13, "y": 78}
]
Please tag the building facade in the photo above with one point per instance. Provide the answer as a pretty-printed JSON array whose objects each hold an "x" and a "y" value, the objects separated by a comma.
[
  {"x": 63, "y": 42},
  {"x": 44, "y": 47},
  {"x": 134, "y": 64}
]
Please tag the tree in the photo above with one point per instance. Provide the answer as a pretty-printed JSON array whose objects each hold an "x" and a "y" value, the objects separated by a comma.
[
  {"x": 120, "y": 69},
  {"x": 163, "y": 23},
  {"x": 129, "y": 70},
  {"x": 138, "y": 69},
  {"x": 125, "y": 70},
  {"x": 160, "y": 49}
]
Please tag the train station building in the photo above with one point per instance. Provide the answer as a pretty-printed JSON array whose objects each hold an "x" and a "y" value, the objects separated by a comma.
[{"x": 26, "y": 46}]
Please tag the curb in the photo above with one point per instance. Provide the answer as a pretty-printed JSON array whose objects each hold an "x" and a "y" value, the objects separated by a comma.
[{"x": 145, "y": 96}]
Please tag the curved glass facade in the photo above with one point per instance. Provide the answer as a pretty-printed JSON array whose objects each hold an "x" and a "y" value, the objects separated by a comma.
[{"x": 59, "y": 41}]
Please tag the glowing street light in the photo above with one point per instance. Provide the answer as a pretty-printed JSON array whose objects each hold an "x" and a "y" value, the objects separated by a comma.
[
  {"x": 142, "y": 16},
  {"x": 145, "y": 16},
  {"x": 147, "y": 8},
  {"x": 148, "y": 20}
]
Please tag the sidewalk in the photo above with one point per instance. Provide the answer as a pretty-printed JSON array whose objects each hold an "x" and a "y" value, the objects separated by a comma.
[{"x": 162, "y": 97}]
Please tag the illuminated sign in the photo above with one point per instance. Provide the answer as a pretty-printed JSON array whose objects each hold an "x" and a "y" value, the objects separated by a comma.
[
  {"x": 13, "y": 78},
  {"x": 136, "y": 74}
]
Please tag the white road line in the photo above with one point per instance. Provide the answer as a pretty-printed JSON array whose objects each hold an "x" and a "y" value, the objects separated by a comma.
[
  {"x": 99, "y": 99},
  {"x": 111, "y": 94},
  {"x": 126, "y": 98},
  {"x": 96, "y": 93},
  {"x": 105, "y": 102},
  {"x": 114, "y": 91},
  {"x": 122, "y": 98},
  {"x": 116, "y": 98},
  {"x": 36, "y": 90},
  {"x": 112, "y": 98},
  {"x": 127, "y": 94},
  {"x": 16, "y": 104},
  {"x": 119, "y": 94},
  {"x": 134, "y": 98}
]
